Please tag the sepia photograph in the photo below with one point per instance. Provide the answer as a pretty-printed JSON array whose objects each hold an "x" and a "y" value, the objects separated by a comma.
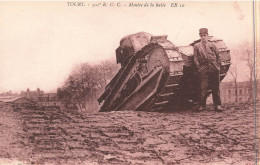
[{"x": 129, "y": 82}]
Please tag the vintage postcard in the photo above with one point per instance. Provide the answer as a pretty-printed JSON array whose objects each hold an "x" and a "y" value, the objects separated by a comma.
[{"x": 129, "y": 82}]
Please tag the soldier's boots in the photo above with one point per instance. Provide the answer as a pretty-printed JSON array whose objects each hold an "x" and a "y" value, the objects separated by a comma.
[
  {"x": 201, "y": 108},
  {"x": 218, "y": 108}
]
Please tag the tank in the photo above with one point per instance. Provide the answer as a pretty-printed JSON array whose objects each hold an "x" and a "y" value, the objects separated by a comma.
[{"x": 156, "y": 75}]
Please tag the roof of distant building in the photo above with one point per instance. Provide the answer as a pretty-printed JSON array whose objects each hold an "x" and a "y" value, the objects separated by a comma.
[
  {"x": 7, "y": 96},
  {"x": 14, "y": 99},
  {"x": 239, "y": 84}
]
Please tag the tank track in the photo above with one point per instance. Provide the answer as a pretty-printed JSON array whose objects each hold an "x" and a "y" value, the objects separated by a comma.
[
  {"x": 167, "y": 96},
  {"x": 164, "y": 99},
  {"x": 120, "y": 81}
]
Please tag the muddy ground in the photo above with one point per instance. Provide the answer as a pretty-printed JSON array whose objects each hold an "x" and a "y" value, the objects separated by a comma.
[{"x": 52, "y": 136}]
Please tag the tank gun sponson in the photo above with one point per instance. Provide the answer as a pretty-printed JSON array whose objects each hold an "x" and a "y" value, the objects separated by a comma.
[{"x": 155, "y": 74}]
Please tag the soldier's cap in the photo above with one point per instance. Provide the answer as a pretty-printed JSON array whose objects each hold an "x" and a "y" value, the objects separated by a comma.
[{"x": 203, "y": 31}]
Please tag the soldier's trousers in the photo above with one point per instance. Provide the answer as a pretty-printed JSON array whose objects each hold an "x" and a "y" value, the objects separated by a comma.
[{"x": 209, "y": 79}]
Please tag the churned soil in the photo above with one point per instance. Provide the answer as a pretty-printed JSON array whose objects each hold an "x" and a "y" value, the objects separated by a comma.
[{"x": 35, "y": 135}]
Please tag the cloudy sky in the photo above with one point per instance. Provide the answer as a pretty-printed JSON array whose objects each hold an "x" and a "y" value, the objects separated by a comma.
[{"x": 42, "y": 41}]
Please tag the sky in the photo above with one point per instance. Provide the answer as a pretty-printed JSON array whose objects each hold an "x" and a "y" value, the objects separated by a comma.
[{"x": 42, "y": 41}]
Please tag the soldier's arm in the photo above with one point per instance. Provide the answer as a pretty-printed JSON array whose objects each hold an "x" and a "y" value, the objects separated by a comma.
[{"x": 196, "y": 60}]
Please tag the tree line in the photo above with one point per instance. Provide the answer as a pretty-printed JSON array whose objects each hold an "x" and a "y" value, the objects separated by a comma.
[
  {"x": 244, "y": 57},
  {"x": 85, "y": 84}
]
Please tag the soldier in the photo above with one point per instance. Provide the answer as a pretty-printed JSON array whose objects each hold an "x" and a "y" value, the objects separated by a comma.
[{"x": 206, "y": 59}]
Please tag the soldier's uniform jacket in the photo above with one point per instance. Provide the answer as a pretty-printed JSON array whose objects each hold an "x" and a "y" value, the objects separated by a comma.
[{"x": 205, "y": 54}]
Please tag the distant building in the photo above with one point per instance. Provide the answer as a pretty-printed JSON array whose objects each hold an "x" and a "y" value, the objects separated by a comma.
[
  {"x": 49, "y": 99},
  {"x": 20, "y": 100},
  {"x": 33, "y": 95},
  {"x": 8, "y": 94},
  {"x": 229, "y": 93},
  {"x": 43, "y": 99}
]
